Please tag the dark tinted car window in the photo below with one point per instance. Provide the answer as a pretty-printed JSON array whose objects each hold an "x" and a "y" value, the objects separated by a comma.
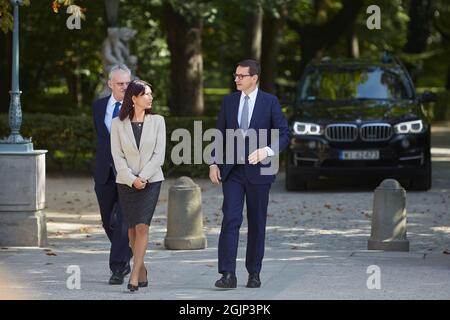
[{"x": 374, "y": 83}]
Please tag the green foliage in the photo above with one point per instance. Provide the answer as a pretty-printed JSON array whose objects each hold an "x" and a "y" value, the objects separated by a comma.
[
  {"x": 6, "y": 19},
  {"x": 204, "y": 9},
  {"x": 192, "y": 170},
  {"x": 393, "y": 33},
  {"x": 66, "y": 70},
  {"x": 439, "y": 110},
  {"x": 149, "y": 44},
  {"x": 70, "y": 141},
  {"x": 334, "y": 85},
  {"x": 61, "y": 68}
]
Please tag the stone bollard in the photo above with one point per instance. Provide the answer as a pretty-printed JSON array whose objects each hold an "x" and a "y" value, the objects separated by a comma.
[
  {"x": 184, "y": 216},
  {"x": 389, "y": 218}
]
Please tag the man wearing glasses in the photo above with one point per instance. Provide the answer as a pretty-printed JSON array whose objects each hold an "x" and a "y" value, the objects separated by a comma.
[
  {"x": 104, "y": 110},
  {"x": 251, "y": 110}
]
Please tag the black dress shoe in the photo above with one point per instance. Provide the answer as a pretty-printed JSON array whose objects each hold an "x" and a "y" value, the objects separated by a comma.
[
  {"x": 116, "y": 278},
  {"x": 253, "y": 280},
  {"x": 127, "y": 270},
  {"x": 132, "y": 287},
  {"x": 228, "y": 281},
  {"x": 143, "y": 284}
]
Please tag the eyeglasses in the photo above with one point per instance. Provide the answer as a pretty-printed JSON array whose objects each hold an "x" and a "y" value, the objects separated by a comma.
[
  {"x": 123, "y": 84},
  {"x": 240, "y": 76}
]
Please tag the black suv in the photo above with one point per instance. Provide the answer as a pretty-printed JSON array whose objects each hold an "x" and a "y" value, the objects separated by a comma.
[{"x": 359, "y": 118}]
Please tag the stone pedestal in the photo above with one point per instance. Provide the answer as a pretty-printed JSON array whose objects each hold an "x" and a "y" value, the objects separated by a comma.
[
  {"x": 185, "y": 217},
  {"x": 389, "y": 218},
  {"x": 22, "y": 199}
]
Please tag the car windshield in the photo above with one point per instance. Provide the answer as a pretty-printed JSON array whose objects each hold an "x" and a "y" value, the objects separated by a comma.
[{"x": 345, "y": 84}]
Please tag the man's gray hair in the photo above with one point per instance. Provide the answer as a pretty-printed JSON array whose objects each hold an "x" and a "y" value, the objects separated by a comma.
[{"x": 118, "y": 67}]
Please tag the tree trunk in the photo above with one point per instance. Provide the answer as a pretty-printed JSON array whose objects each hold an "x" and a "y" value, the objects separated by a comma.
[
  {"x": 78, "y": 91},
  {"x": 314, "y": 39},
  {"x": 184, "y": 39},
  {"x": 419, "y": 30},
  {"x": 419, "y": 26},
  {"x": 352, "y": 42},
  {"x": 445, "y": 34},
  {"x": 112, "y": 12},
  {"x": 447, "y": 83},
  {"x": 271, "y": 45},
  {"x": 5, "y": 71},
  {"x": 253, "y": 34}
]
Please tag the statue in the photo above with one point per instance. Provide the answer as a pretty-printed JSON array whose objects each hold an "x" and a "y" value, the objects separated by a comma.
[{"x": 115, "y": 50}]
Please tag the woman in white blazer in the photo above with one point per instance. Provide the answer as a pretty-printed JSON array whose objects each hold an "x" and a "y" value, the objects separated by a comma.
[{"x": 138, "y": 144}]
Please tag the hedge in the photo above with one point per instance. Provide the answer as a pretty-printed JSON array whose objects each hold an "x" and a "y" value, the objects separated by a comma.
[
  {"x": 70, "y": 141},
  {"x": 441, "y": 108}
]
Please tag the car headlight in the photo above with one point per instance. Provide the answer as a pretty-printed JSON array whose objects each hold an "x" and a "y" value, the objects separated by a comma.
[
  {"x": 307, "y": 128},
  {"x": 409, "y": 127}
]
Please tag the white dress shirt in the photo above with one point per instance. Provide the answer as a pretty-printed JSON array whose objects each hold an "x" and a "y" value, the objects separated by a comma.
[
  {"x": 109, "y": 111},
  {"x": 251, "y": 106}
]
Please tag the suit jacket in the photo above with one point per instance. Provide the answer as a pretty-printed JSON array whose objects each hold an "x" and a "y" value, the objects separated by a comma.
[
  {"x": 103, "y": 158},
  {"x": 267, "y": 115},
  {"x": 145, "y": 161}
]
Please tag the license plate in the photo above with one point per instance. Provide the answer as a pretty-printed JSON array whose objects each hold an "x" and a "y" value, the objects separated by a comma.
[{"x": 360, "y": 155}]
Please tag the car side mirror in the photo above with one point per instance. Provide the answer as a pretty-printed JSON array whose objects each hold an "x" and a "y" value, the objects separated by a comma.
[{"x": 428, "y": 96}]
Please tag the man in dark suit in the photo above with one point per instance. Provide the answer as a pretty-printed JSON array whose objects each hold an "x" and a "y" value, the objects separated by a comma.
[
  {"x": 104, "y": 110},
  {"x": 252, "y": 111}
]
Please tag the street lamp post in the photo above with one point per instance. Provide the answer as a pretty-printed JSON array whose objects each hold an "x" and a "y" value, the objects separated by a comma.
[
  {"x": 15, "y": 142},
  {"x": 22, "y": 186}
]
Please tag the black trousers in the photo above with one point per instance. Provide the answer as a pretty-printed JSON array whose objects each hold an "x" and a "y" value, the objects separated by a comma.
[{"x": 114, "y": 224}]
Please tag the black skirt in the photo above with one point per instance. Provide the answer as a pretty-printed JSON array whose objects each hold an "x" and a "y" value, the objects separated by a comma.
[{"x": 138, "y": 206}]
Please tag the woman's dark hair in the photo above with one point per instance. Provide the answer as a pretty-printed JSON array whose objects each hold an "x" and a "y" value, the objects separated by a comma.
[{"x": 136, "y": 88}]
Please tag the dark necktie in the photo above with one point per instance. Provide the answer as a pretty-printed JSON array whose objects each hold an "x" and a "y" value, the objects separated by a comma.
[
  {"x": 115, "y": 114},
  {"x": 244, "y": 115},
  {"x": 116, "y": 109}
]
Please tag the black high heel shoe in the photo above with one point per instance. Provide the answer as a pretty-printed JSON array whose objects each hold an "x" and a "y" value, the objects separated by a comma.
[
  {"x": 132, "y": 287},
  {"x": 143, "y": 283}
]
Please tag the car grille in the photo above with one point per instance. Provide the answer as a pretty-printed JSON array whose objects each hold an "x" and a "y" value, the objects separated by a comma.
[
  {"x": 376, "y": 132},
  {"x": 341, "y": 132},
  {"x": 367, "y": 132}
]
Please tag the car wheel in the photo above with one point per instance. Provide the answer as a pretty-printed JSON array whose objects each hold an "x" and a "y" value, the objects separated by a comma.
[{"x": 422, "y": 183}]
